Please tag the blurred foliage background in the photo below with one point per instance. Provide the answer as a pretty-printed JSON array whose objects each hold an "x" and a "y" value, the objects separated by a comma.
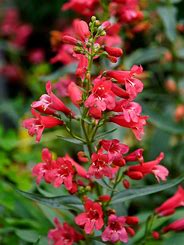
[{"x": 157, "y": 43}]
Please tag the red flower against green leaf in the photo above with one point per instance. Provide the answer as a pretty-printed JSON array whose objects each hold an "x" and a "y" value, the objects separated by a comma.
[
  {"x": 136, "y": 127},
  {"x": 49, "y": 103},
  {"x": 177, "y": 225},
  {"x": 92, "y": 218},
  {"x": 153, "y": 167},
  {"x": 169, "y": 206},
  {"x": 36, "y": 125},
  {"x": 64, "y": 234}
]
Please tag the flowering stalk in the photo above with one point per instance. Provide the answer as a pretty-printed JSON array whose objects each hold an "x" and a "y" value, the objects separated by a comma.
[{"x": 106, "y": 98}]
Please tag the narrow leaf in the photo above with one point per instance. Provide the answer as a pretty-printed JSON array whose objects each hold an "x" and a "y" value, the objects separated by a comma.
[
  {"x": 71, "y": 140},
  {"x": 68, "y": 202},
  {"x": 138, "y": 192}
]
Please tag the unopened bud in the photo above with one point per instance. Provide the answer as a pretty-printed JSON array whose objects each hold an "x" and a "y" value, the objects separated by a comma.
[
  {"x": 103, "y": 33},
  {"x": 69, "y": 40},
  {"x": 93, "y": 18},
  {"x": 117, "y": 52},
  {"x": 155, "y": 235},
  {"x": 179, "y": 112},
  {"x": 97, "y": 23},
  {"x": 126, "y": 184},
  {"x": 171, "y": 86}
]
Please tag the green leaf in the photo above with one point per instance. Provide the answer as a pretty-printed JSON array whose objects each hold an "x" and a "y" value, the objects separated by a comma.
[
  {"x": 168, "y": 17},
  {"x": 27, "y": 235},
  {"x": 71, "y": 140},
  {"x": 125, "y": 195},
  {"x": 68, "y": 202},
  {"x": 142, "y": 56},
  {"x": 105, "y": 133}
]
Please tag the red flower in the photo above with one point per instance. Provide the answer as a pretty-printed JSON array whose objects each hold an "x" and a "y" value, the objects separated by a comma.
[
  {"x": 133, "y": 85},
  {"x": 169, "y": 206},
  {"x": 115, "y": 231},
  {"x": 49, "y": 103},
  {"x": 40, "y": 170},
  {"x": 116, "y": 52},
  {"x": 81, "y": 29},
  {"x": 37, "y": 124},
  {"x": 81, "y": 6},
  {"x": 115, "y": 150},
  {"x": 135, "y": 156},
  {"x": 102, "y": 98},
  {"x": 75, "y": 93},
  {"x": 136, "y": 127},
  {"x": 101, "y": 166},
  {"x": 152, "y": 167},
  {"x": 92, "y": 218},
  {"x": 130, "y": 110},
  {"x": 82, "y": 66},
  {"x": 64, "y": 234},
  {"x": 63, "y": 174},
  {"x": 177, "y": 225}
]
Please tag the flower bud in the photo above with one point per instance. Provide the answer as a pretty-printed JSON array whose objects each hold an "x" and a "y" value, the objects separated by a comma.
[
  {"x": 117, "y": 52},
  {"x": 69, "y": 40},
  {"x": 179, "y": 113},
  {"x": 75, "y": 94},
  {"x": 155, "y": 235},
  {"x": 82, "y": 29},
  {"x": 105, "y": 25},
  {"x": 132, "y": 220},
  {"x": 171, "y": 86},
  {"x": 135, "y": 175},
  {"x": 104, "y": 198},
  {"x": 126, "y": 184}
]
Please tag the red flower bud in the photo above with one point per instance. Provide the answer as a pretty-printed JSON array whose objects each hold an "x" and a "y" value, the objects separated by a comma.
[
  {"x": 104, "y": 198},
  {"x": 81, "y": 29},
  {"x": 126, "y": 184},
  {"x": 132, "y": 220},
  {"x": 105, "y": 25},
  {"x": 155, "y": 235},
  {"x": 135, "y": 175},
  {"x": 117, "y": 52},
  {"x": 130, "y": 231},
  {"x": 70, "y": 40},
  {"x": 75, "y": 93}
]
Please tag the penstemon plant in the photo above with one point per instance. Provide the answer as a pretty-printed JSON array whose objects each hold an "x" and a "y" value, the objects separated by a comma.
[{"x": 94, "y": 190}]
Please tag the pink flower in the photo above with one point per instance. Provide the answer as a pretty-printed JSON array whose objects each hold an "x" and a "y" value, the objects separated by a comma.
[
  {"x": 177, "y": 225},
  {"x": 81, "y": 29},
  {"x": 36, "y": 125},
  {"x": 40, "y": 170},
  {"x": 118, "y": 228},
  {"x": 130, "y": 110},
  {"x": 64, "y": 234},
  {"x": 92, "y": 218},
  {"x": 102, "y": 98},
  {"x": 101, "y": 166},
  {"x": 136, "y": 127},
  {"x": 82, "y": 66},
  {"x": 62, "y": 86},
  {"x": 115, "y": 150},
  {"x": 115, "y": 231},
  {"x": 75, "y": 93},
  {"x": 133, "y": 85},
  {"x": 169, "y": 206},
  {"x": 63, "y": 174},
  {"x": 49, "y": 103},
  {"x": 152, "y": 167}
]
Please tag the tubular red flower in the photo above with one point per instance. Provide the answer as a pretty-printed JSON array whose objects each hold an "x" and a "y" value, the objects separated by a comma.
[
  {"x": 117, "y": 52},
  {"x": 169, "y": 206},
  {"x": 81, "y": 29},
  {"x": 117, "y": 229},
  {"x": 139, "y": 171},
  {"x": 136, "y": 127},
  {"x": 36, "y": 125},
  {"x": 49, "y": 103},
  {"x": 101, "y": 166},
  {"x": 70, "y": 40},
  {"x": 75, "y": 93},
  {"x": 177, "y": 225},
  {"x": 64, "y": 234},
  {"x": 92, "y": 218},
  {"x": 102, "y": 98}
]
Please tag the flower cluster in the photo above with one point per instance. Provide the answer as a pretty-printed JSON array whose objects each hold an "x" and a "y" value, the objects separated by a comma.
[{"x": 107, "y": 97}]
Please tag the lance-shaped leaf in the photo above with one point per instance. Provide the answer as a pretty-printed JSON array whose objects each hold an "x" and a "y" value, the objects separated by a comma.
[
  {"x": 125, "y": 195},
  {"x": 67, "y": 202}
]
